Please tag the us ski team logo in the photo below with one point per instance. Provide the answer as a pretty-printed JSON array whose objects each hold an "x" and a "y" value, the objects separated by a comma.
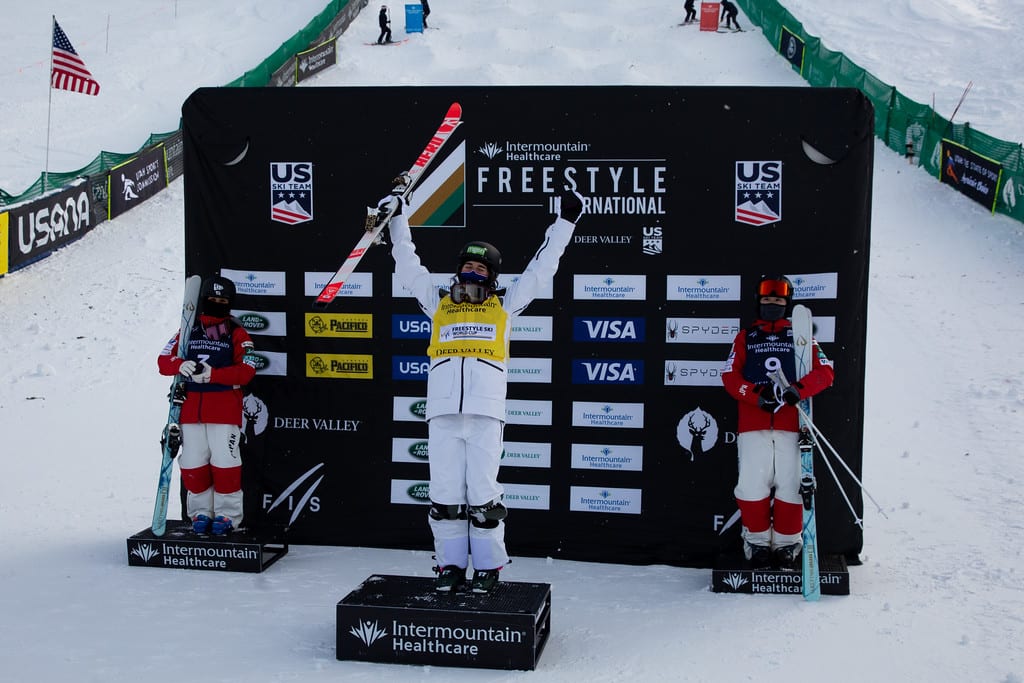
[
  {"x": 758, "y": 192},
  {"x": 291, "y": 192}
]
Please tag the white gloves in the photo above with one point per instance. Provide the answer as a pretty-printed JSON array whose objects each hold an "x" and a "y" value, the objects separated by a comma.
[{"x": 195, "y": 372}]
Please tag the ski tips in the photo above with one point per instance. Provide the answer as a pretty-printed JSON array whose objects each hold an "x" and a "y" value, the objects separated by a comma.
[{"x": 454, "y": 111}]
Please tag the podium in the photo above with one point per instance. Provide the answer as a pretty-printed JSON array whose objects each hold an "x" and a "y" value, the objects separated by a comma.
[
  {"x": 403, "y": 620},
  {"x": 730, "y": 575},
  {"x": 180, "y": 548}
]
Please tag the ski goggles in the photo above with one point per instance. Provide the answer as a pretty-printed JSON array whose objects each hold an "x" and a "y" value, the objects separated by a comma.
[
  {"x": 775, "y": 288},
  {"x": 469, "y": 292}
]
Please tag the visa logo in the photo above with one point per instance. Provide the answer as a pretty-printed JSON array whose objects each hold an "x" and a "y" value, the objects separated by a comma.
[
  {"x": 608, "y": 329},
  {"x": 607, "y": 372},
  {"x": 410, "y": 367},
  {"x": 410, "y": 327}
]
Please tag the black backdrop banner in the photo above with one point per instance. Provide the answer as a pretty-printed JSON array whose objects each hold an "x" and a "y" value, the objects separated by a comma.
[{"x": 620, "y": 440}]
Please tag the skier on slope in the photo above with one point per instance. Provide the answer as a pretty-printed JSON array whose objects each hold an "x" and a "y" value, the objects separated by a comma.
[
  {"x": 768, "y": 425},
  {"x": 217, "y": 364},
  {"x": 466, "y": 387}
]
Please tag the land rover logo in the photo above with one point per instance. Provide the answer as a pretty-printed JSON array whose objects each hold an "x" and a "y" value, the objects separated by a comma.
[
  {"x": 254, "y": 322},
  {"x": 419, "y": 409},
  {"x": 420, "y": 491},
  {"x": 419, "y": 450},
  {"x": 258, "y": 361}
]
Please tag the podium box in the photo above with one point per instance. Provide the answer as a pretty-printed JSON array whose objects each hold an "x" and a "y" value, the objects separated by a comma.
[
  {"x": 403, "y": 620},
  {"x": 180, "y": 548}
]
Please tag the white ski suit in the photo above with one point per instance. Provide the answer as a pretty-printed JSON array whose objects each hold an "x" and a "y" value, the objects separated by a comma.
[{"x": 466, "y": 387}]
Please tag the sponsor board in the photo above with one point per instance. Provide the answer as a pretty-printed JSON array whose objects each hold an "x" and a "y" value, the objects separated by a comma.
[
  {"x": 526, "y": 454},
  {"x": 527, "y": 496},
  {"x": 257, "y": 282},
  {"x": 815, "y": 285},
  {"x": 340, "y": 325},
  {"x": 592, "y": 456},
  {"x": 532, "y": 370},
  {"x": 409, "y": 409},
  {"x": 339, "y": 365},
  {"x": 404, "y": 326},
  {"x": 410, "y": 367},
  {"x": 595, "y": 371},
  {"x": 532, "y": 328},
  {"x": 358, "y": 285},
  {"x": 267, "y": 323},
  {"x": 269, "y": 362},
  {"x": 523, "y": 412},
  {"x": 701, "y": 330},
  {"x": 703, "y": 288},
  {"x": 34, "y": 229},
  {"x": 612, "y": 414},
  {"x": 608, "y": 329},
  {"x": 410, "y": 450},
  {"x": 608, "y": 500},
  {"x": 410, "y": 491},
  {"x": 609, "y": 287},
  {"x": 694, "y": 373}
]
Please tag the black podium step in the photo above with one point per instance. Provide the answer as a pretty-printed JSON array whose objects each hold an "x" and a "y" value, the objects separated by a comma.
[
  {"x": 403, "y": 620},
  {"x": 730, "y": 575},
  {"x": 180, "y": 548}
]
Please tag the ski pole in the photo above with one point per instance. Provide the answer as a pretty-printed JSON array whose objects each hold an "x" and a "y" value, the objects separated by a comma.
[
  {"x": 856, "y": 520},
  {"x": 818, "y": 435}
]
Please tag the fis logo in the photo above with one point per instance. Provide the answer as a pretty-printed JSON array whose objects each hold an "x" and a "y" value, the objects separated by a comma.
[
  {"x": 607, "y": 372},
  {"x": 291, "y": 192},
  {"x": 409, "y": 367},
  {"x": 410, "y": 327},
  {"x": 608, "y": 329},
  {"x": 758, "y": 192}
]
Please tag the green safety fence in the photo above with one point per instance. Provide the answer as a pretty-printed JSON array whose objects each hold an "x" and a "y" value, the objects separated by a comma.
[
  {"x": 910, "y": 128},
  {"x": 260, "y": 76}
]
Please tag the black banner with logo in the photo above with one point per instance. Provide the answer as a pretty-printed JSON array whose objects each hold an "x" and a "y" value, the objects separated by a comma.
[
  {"x": 315, "y": 60},
  {"x": 791, "y": 46},
  {"x": 37, "y": 228},
  {"x": 136, "y": 180},
  {"x": 970, "y": 173},
  {"x": 620, "y": 440}
]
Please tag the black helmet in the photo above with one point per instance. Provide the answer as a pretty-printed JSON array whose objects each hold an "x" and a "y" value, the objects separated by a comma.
[
  {"x": 219, "y": 287},
  {"x": 486, "y": 254},
  {"x": 775, "y": 285}
]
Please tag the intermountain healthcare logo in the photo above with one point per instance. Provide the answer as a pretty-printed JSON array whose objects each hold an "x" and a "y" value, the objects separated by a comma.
[
  {"x": 758, "y": 192},
  {"x": 145, "y": 552},
  {"x": 291, "y": 192},
  {"x": 368, "y": 633}
]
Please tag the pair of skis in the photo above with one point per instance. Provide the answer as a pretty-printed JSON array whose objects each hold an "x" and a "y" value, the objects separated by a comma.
[
  {"x": 803, "y": 345},
  {"x": 377, "y": 220},
  {"x": 170, "y": 441}
]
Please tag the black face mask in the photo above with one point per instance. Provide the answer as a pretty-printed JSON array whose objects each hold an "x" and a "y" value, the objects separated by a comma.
[
  {"x": 216, "y": 310},
  {"x": 772, "y": 312}
]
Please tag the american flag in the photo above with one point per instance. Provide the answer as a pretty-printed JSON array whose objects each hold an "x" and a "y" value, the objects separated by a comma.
[{"x": 69, "y": 72}]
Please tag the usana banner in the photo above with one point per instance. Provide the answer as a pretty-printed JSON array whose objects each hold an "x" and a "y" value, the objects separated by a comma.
[{"x": 620, "y": 442}]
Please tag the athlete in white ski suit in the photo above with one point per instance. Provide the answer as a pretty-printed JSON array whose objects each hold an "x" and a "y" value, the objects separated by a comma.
[{"x": 466, "y": 387}]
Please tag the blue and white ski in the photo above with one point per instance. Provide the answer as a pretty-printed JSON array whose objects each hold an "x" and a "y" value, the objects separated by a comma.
[
  {"x": 803, "y": 349},
  {"x": 171, "y": 439}
]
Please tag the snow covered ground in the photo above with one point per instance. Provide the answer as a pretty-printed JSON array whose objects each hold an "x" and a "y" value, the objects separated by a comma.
[{"x": 939, "y": 595}]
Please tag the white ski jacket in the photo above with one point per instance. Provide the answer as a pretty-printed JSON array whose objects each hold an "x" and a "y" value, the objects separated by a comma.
[{"x": 467, "y": 384}]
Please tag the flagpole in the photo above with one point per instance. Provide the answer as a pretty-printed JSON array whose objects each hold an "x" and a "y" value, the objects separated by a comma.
[{"x": 49, "y": 101}]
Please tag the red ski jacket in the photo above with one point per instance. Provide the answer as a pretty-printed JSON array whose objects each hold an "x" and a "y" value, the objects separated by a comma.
[
  {"x": 223, "y": 345},
  {"x": 757, "y": 349}
]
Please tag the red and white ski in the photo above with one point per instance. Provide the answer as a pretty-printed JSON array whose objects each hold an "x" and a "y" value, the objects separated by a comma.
[{"x": 376, "y": 221}]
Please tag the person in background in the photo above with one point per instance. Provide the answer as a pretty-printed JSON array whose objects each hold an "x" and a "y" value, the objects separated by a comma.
[
  {"x": 426, "y": 11},
  {"x": 768, "y": 425},
  {"x": 217, "y": 363},
  {"x": 466, "y": 388},
  {"x": 385, "y": 25},
  {"x": 729, "y": 12},
  {"x": 691, "y": 13}
]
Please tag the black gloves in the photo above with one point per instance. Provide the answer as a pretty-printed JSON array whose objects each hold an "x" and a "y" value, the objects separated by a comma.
[
  {"x": 791, "y": 395},
  {"x": 766, "y": 400},
  {"x": 570, "y": 206}
]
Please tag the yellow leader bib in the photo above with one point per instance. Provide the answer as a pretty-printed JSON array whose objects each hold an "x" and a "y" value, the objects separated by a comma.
[{"x": 479, "y": 330}]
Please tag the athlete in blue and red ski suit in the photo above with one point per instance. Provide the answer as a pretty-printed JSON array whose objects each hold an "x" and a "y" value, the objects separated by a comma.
[{"x": 768, "y": 423}]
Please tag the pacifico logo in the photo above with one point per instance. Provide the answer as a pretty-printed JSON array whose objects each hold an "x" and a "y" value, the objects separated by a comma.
[
  {"x": 353, "y": 326},
  {"x": 339, "y": 366}
]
